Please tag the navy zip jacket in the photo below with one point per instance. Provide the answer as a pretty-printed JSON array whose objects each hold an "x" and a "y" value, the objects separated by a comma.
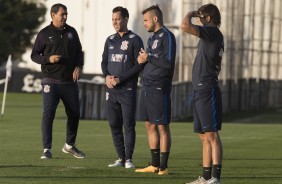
[
  {"x": 66, "y": 43},
  {"x": 159, "y": 69},
  {"x": 119, "y": 59}
]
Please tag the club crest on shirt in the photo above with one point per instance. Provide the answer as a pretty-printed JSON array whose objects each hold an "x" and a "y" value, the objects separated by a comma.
[
  {"x": 155, "y": 44},
  {"x": 112, "y": 37},
  {"x": 46, "y": 89},
  {"x": 124, "y": 45},
  {"x": 161, "y": 35},
  {"x": 70, "y": 36},
  {"x": 111, "y": 47},
  {"x": 131, "y": 35}
]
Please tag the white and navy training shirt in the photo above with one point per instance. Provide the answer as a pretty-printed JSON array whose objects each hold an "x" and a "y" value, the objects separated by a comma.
[
  {"x": 119, "y": 59},
  {"x": 159, "y": 69}
]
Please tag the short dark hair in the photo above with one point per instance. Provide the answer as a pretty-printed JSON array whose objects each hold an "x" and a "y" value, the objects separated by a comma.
[
  {"x": 123, "y": 11},
  {"x": 55, "y": 8},
  {"x": 212, "y": 11},
  {"x": 156, "y": 10}
]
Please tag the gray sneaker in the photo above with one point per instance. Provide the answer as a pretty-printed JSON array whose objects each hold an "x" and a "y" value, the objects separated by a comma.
[
  {"x": 74, "y": 151},
  {"x": 46, "y": 154},
  {"x": 213, "y": 181},
  {"x": 200, "y": 180}
]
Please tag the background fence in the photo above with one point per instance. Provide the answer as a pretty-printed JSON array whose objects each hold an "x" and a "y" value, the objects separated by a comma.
[{"x": 240, "y": 96}]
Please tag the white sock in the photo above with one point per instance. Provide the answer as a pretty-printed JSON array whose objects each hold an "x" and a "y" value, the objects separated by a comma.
[{"x": 68, "y": 146}]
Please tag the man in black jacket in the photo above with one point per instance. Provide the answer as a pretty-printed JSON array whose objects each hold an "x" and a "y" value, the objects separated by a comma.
[
  {"x": 121, "y": 69},
  {"x": 57, "y": 48}
]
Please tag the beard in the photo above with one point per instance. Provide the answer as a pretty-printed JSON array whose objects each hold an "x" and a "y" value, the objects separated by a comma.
[{"x": 151, "y": 29}]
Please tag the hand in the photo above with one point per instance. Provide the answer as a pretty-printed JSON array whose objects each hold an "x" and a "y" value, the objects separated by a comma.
[
  {"x": 142, "y": 58},
  {"x": 76, "y": 74},
  {"x": 55, "y": 58},
  {"x": 197, "y": 14},
  {"x": 109, "y": 81},
  {"x": 115, "y": 81}
]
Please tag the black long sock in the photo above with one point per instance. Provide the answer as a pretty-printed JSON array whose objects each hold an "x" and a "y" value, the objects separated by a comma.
[
  {"x": 155, "y": 157},
  {"x": 207, "y": 173},
  {"x": 216, "y": 171},
  {"x": 164, "y": 160}
]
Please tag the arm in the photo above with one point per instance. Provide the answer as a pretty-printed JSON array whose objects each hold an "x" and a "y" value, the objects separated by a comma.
[
  {"x": 79, "y": 59},
  {"x": 79, "y": 52},
  {"x": 137, "y": 46},
  {"x": 165, "y": 58},
  {"x": 104, "y": 65},
  {"x": 37, "y": 54},
  {"x": 187, "y": 25},
  {"x": 38, "y": 50}
]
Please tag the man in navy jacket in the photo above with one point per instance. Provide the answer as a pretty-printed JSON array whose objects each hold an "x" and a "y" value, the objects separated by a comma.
[
  {"x": 121, "y": 69},
  {"x": 159, "y": 59}
]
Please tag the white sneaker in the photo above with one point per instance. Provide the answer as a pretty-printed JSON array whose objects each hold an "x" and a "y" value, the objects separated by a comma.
[
  {"x": 129, "y": 164},
  {"x": 213, "y": 181},
  {"x": 200, "y": 180},
  {"x": 118, "y": 163}
]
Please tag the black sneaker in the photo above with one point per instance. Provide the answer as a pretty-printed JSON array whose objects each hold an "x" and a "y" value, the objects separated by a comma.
[
  {"x": 46, "y": 155},
  {"x": 74, "y": 151}
]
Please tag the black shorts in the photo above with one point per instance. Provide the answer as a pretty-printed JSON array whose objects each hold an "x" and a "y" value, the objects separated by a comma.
[
  {"x": 155, "y": 106},
  {"x": 207, "y": 110}
]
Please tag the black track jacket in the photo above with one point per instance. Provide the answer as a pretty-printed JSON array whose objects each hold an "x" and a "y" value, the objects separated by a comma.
[{"x": 66, "y": 43}]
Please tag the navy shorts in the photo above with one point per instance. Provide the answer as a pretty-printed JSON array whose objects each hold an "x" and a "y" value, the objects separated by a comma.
[
  {"x": 155, "y": 106},
  {"x": 207, "y": 110}
]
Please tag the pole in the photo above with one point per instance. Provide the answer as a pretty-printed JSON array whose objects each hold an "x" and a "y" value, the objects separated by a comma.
[{"x": 4, "y": 95}]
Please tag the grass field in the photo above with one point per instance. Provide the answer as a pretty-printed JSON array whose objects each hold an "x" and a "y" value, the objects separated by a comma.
[{"x": 252, "y": 150}]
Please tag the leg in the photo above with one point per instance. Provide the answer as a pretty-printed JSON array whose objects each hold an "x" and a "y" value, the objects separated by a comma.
[
  {"x": 207, "y": 151},
  {"x": 114, "y": 116},
  {"x": 165, "y": 144},
  {"x": 50, "y": 103},
  {"x": 153, "y": 135},
  {"x": 216, "y": 153},
  {"x": 216, "y": 147},
  {"x": 128, "y": 106},
  {"x": 70, "y": 98},
  {"x": 165, "y": 138}
]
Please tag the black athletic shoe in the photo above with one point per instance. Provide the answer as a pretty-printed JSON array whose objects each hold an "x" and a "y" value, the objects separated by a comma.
[
  {"x": 74, "y": 151},
  {"x": 46, "y": 155}
]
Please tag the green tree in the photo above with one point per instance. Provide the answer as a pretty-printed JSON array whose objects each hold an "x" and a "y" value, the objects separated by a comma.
[{"x": 19, "y": 21}]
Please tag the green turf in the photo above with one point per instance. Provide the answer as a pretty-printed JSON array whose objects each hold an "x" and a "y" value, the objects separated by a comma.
[{"x": 252, "y": 150}]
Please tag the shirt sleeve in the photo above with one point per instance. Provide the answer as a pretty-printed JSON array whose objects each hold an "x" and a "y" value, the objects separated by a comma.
[
  {"x": 104, "y": 63},
  {"x": 37, "y": 53},
  {"x": 204, "y": 34},
  {"x": 164, "y": 58},
  {"x": 79, "y": 53},
  {"x": 137, "y": 45}
]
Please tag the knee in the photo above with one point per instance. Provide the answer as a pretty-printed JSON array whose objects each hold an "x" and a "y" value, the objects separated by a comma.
[{"x": 213, "y": 137}]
